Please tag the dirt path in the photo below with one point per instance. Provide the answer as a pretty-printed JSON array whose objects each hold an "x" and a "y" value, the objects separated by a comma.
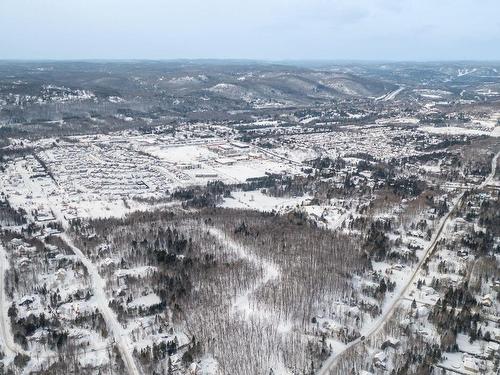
[{"x": 270, "y": 270}]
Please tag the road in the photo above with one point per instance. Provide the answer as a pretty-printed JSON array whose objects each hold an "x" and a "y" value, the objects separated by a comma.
[
  {"x": 283, "y": 158},
  {"x": 99, "y": 286},
  {"x": 10, "y": 348},
  {"x": 330, "y": 363},
  {"x": 391, "y": 95}
]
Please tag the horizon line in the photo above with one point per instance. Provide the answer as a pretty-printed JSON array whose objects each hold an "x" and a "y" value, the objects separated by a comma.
[{"x": 248, "y": 60}]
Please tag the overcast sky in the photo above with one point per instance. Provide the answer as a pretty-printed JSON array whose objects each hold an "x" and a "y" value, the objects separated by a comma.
[{"x": 250, "y": 29}]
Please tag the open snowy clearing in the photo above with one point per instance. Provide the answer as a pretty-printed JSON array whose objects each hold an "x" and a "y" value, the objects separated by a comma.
[
  {"x": 455, "y": 130},
  {"x": 258, "y": 201}
]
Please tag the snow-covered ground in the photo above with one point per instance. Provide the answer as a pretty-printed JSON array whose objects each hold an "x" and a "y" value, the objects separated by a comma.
[
  {"x": 98, "y": 286},
  {"x": 259, "y": 201},
  {"x": 7, "y": 344},
  {"x": 455, "y": 130},
  {"x": 402, "y": 288},
  {"x": 242, "y": 303}
]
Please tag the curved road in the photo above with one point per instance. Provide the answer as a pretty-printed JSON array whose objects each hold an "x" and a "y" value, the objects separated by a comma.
[
  {"x": 10, "y": 348},
  {"x": 330, "y": 363}
]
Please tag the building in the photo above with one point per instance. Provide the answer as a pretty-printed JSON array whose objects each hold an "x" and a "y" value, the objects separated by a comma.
[
  {"x": 391, "y": 343},
  {"x": 240, "y": 144},
  {"x": 379, "y": 360},
  {"x": 470, "y": 365},
  {"x": 487, "y": 301}
]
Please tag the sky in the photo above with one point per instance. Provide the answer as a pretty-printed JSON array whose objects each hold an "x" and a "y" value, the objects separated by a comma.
[{"x": 251, "y": 29}]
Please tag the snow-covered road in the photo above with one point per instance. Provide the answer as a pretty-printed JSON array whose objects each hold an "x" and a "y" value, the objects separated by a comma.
[
  {"x": 390, "y": 95},
  {"x": 388, "y": 310},
  {"x": 99, "y": 286},
  {"x": 9, "y": 347}
]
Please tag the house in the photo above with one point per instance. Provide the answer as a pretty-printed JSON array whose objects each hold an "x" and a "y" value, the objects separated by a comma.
[
  {"x": 44, "y": 216},
  {"x": 194, "y": 369},
  {"x": 412, "y": 245},
  {"x": 206, "y": 175},
  {"x": 240, "y": 144},
  {"x": 391, "y": 343},
  {"x": 470, "y": 365},
  {"x": 495, "y": 285},
  {"x": 225, "y": 161},
  {"x": 487, "y": 301},
  {"x": 492, "y": 349},
  {"x": 331, "y": 326},
  {"x": 427, "y": 290},
  {"x": 27, "y": 301},
  {"x": 397, "y": 267},
  {"x": 379, "y": 360},
  {"x": 60, "y": 275},
  {"x": 50, "y": 231}
]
